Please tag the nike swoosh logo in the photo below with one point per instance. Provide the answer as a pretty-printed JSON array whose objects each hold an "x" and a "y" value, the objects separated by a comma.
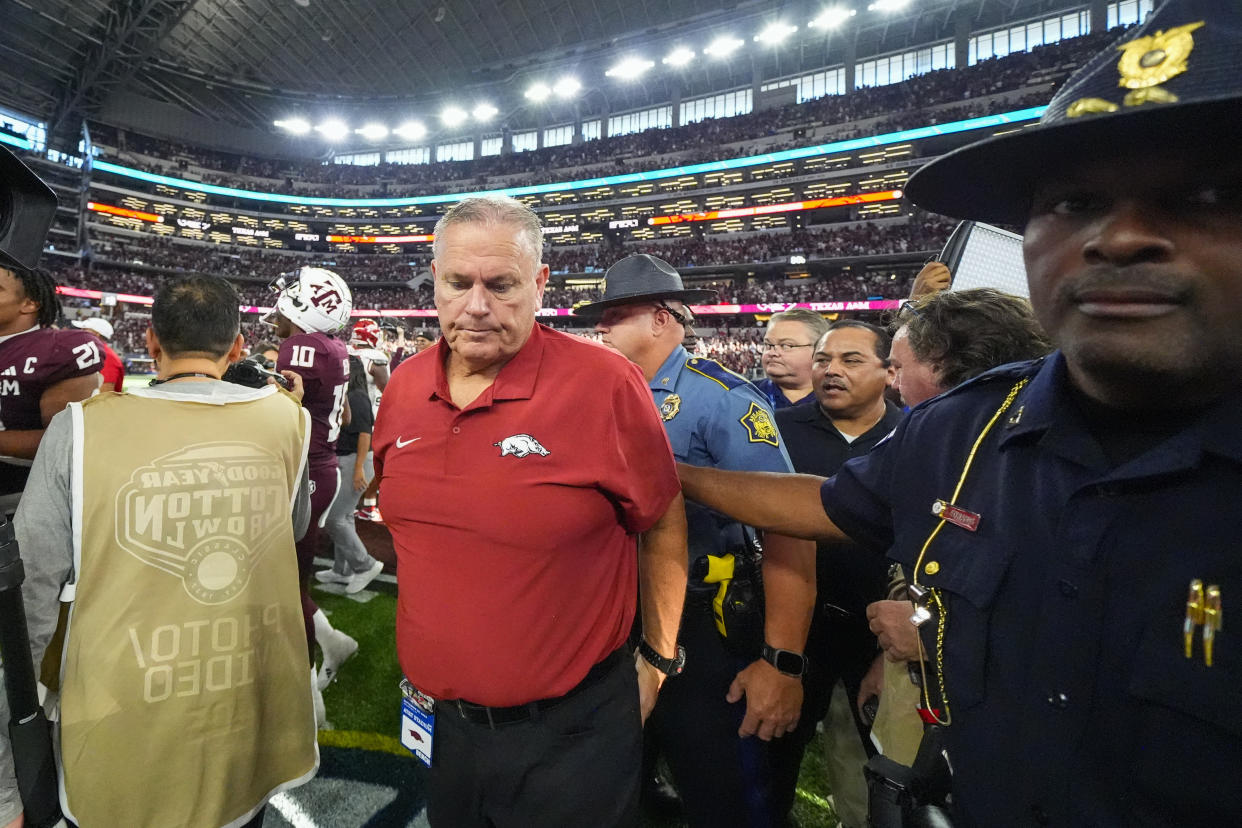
[{"x": 403, "y": 443}]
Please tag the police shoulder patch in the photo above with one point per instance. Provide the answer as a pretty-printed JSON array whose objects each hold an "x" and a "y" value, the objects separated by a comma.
[
  {"x": 713, "y": 370},
  {"x": 759, "y": 426}
]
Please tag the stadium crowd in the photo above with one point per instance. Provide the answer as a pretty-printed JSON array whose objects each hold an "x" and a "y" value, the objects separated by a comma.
[
  {"x": 917, "y": 101},
  {"x": 922, "y": 232}
]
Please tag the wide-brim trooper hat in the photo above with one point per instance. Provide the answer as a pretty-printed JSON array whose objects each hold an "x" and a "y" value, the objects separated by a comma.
[
  {"x": 1173, "y": 81},
  {"x": 642, "y": 278},
  {"x": 27, "y": 208}
]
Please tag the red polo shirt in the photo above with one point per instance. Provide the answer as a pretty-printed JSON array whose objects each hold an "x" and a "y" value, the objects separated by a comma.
[
  {"x": 514, "y": 519},
  {"x": 113, "y": 369}
]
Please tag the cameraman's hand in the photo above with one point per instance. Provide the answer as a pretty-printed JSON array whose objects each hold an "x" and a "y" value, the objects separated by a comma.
[
  {"x": 933, "y": 278},
  {"x": 295, "y": 383},
  {"x": 872, "y": 683}
]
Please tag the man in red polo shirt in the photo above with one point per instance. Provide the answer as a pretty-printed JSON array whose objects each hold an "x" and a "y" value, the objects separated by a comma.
[{"x": 530, "y": 490}]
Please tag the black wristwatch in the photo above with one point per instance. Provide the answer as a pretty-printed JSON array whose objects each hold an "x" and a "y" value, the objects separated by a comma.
[
  {"x": 668, "y": 666},
  {"x": 787, "y": 661}
]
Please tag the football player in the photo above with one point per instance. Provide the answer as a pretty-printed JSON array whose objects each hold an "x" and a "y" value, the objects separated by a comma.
[
  {"x": 42, "y": 369},
  {"x": 311, "y": 305},
  {"x": 365, "y": 342}
]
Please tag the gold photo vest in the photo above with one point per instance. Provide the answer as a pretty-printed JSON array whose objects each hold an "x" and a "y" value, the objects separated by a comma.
[{"x": 185, "y": 697}]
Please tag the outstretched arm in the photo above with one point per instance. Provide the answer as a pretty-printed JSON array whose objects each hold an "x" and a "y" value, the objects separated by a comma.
[{"x": 785, "y": 503}]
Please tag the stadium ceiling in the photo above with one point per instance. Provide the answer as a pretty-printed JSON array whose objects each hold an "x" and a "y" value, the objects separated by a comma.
[{"x": 247, "y": 62}]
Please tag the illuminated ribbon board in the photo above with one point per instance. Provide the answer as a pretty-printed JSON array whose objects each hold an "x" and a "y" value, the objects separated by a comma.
[
  {"x": 698, "y": 310},
  {"x": 379, "y": 239},
  {"x": 986, "y": 122},
  {"x": 787, "y": 207},
  {"x": 121, "y": 211}
]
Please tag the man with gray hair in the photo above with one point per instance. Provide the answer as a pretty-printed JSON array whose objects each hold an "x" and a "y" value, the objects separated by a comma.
[
  {"x": 787, "y": 348},
  {"x": 530, "y": 491}
]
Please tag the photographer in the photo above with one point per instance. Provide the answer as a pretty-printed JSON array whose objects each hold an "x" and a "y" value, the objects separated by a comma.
[{"x": 179, "y": 526}]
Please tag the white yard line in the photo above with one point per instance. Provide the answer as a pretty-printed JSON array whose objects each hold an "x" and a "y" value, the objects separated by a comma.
[{"x": 292, "y": 811}]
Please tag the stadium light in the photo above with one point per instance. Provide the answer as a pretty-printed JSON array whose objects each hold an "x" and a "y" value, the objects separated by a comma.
[
  {"x": 538, "y": 92},
  {"x": 774, "y": 33},
  {"x": 483, "y": 112},
  {"x": 374, "y": 132},
  {"x": 411, "y": 130},
  {"x": 680, "y": 56},
  {"x": 567, "y": 87},
  {"x": 333, "y": 129},
  {"x": 298, "y": 126},
  {"x": 888, "y": 5},
  {"x": 452, "y": 116},
  {"x": 630, "y": 68},
  {"x": 724, "y": 46},
  {"x": 833, "y": 17}
]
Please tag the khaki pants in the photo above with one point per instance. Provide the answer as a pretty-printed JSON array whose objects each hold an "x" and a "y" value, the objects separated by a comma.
[{"x": 844, "y": 758}]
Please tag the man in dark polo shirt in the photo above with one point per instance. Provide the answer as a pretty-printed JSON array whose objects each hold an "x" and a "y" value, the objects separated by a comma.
[
  {"x": 530, "y": 491},
  {"x": 850, "y": 373},
  {"x": 1073, "y": 519}
]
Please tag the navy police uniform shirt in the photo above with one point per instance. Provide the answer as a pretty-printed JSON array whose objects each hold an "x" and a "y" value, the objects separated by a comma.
[
  {"x": 776, "y": 397},
  {"x": 1072, "y": 699},
  {"x": 715, "y": 417}
]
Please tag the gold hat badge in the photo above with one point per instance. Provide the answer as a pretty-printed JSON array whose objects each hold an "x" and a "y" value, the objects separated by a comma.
[{"x": 1146, "y": 62}]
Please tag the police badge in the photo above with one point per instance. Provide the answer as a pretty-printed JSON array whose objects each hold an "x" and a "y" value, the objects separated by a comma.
[
  {"x": 670, "y": 407},
  {"x": 1146, "y": 62}
]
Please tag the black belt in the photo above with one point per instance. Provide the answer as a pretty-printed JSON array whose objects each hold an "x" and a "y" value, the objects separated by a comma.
[{"x": 493, "y": 717}]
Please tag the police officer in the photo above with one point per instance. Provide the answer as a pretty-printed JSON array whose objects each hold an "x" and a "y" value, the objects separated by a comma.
[
  {"x": 1072, "y": 521},
  {"x": 715, "y": 417}
]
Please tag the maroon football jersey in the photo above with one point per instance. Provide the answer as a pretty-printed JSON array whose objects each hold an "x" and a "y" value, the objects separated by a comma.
[
  {"x": 29, "y": 363},
  {"x": 324, "y": 365}
]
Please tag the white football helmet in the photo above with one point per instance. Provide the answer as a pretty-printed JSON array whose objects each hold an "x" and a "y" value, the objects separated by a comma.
[{"x": 314, "y": 299}]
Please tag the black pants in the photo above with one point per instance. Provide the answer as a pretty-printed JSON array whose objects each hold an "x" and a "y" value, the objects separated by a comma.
[
  {"x": 574, "y": 765},
  {"x": 722, "y": 779}
]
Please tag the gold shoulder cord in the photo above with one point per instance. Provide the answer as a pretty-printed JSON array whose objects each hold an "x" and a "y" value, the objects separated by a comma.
[{"x": 933, "y": 593}]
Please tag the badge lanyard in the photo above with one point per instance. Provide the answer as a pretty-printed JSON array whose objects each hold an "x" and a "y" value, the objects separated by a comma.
[{"x": 947, "y": 511}]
